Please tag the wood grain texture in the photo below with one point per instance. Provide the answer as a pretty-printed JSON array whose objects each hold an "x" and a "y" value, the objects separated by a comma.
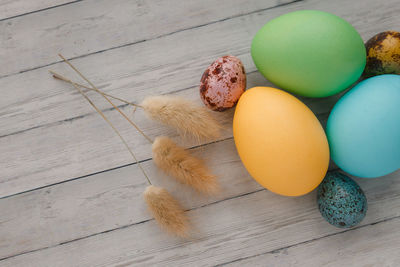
[
  {"x": 13, "y": 8},
  {"x": 97, "y": 25},
  {"x": 78, "y": 147},
  {"x": 83, "y": 208},
  {"x": 228, "y": 230},
  {"x": 107, "y": 201},
  {"x": 375, "y": 245},
  {"x": 38, "y": 107}
]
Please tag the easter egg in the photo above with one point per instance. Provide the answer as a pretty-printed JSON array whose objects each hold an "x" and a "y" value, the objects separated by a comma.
[
  {"x": 280, "y": 141},
  {"x": 222, "y": 83},
  {"x": 383, "y": 54},
  {"x": 310, "y": 53},
  {"x": 341, "y": 201},
  {"x": 363, "y": 128}
]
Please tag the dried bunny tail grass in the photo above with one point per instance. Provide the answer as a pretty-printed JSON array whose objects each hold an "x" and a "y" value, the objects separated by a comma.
[
  {"x": 179, "y": 163},
  {"x": 183, "y": 115},
  {"x": 167, "y": 211}
]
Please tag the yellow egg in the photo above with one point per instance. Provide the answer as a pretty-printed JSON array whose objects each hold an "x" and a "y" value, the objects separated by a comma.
[{"x": 280, "y": 141}]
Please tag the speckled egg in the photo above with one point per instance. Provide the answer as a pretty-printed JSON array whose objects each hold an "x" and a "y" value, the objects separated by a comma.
[
  {"x": 341, "y": 200},
  {"x": 383, "y": 54},
  {"x": 222, "y": 83}
]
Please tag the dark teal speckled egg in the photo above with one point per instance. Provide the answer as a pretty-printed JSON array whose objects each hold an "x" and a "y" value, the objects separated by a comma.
[{"x": 341, "y": 200}]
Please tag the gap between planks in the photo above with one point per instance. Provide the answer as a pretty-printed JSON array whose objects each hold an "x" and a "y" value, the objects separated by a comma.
[
  {"x": 307, "y": 241},
  {"x": 39, "y": 10},
  {"x": 128, "y": 225},
  {"x": 77, "y": 173},
  {"x": 107, "y": 170},
  {"x": 320, "y": 221},
  {"x": 191, "y": 209},
  {"x": 139, "y": 41},
  {"x": 121, "y": 106}
]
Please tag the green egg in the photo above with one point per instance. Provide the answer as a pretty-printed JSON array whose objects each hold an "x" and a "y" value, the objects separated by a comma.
[{"x": 309, "y": 53}]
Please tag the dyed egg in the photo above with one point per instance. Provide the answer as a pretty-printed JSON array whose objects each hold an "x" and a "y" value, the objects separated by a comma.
[
  {"x": 310, "y": 53},
  {"x": 280, "y": 141},
  {"x": 341, "y": 201},
  {"x": 363, "y": 128},
  {"x": 383, "y": 54},
  {"x": 222, "y": 83}
]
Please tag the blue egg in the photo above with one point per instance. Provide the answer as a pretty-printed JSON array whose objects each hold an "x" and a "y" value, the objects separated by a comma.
[
  {"x": 341, "y": 201},
  {"x": 363, "y": 128}
]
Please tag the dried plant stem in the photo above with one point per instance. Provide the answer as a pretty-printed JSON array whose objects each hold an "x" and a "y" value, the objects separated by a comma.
[
  {"x": 175, "y": 112},
  {"x": 163, "y": 206},
  {"x": 167, "y": 155},
  {"x": 105, "y": 97},
  {"x": 113, "y": 127},
  {"x": 133, "y": 111},
  {"x": 65, "y": 79},
  {"x": 166, "y": 210}
]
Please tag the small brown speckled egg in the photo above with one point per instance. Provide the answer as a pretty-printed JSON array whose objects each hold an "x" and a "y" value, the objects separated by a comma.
[
  {"x": 383, "y": 54},
  {"x": 222, "y": 83}
]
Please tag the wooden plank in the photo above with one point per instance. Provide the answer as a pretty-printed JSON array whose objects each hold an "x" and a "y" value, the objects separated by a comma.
[
  {"x": 69, "y": 144},
  {"x": 79, "y": 147},
  {"x": 48, "y": 155},
  {"x": 61, "y": 213},
  {"x": 229, "y": 230},
  {"x": 106, "y": 201},
  {"x": 158, "y": 65},
  {"x": 13, "y": 8},
  {"x": 91, "y": 26},
  {"x": 375, "y": 245}
]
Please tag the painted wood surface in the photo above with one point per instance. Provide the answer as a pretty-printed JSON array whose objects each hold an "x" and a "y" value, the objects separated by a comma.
[
  {"x": 36, "y": 106},
  {"x": 240, "y": 227},
  {"x": 108, "y": 200},
  {"x": 70, "y": 194},
  {"x": 375, "y": 245},
  {"x": 14, "y": 8},
  {"x": 96, "y": 25}
]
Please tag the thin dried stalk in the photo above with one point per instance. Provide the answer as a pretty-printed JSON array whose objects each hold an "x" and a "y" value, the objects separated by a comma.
[
  {"x": 178, "y": 163},
  {"x": 183, "y": 166},
  {"x": 106, "y": 98},
  {"x": 113, "y": 127},
  {"x": 183, "y": 115},
  {"x": 167, "y": 211},
  {"x": 63, "y": 78},
  {"x": 175, "y": 112}
]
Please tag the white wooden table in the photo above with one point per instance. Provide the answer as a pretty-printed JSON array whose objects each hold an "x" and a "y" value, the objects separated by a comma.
[{"x": 70, "y": 194}]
